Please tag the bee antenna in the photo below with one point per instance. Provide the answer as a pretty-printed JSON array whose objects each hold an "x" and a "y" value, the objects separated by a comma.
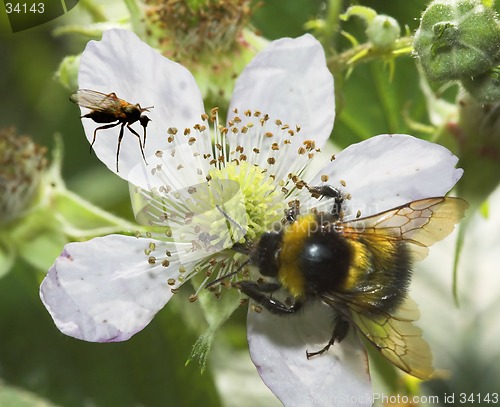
[{"x": 228, "y": 275}]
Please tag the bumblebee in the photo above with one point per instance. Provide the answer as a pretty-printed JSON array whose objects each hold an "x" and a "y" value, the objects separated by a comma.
[
  {"x": 109, "y": 108},
  {"x": 361, "y": 268}
]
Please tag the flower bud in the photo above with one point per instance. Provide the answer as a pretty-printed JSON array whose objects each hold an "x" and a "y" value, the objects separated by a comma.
[
  {"x": 21, "y": 165},
  {"x": 67, "y": 73},
  {"x": 457, "y": 38},
  {"x": 209, "y": 38},
  {"x": 383, "y": 31}
]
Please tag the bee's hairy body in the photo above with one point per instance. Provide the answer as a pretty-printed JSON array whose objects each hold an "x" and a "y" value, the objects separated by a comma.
[
  {"x": 313, "y": 260},
  {"x": 310, "y": 260},
  {"x": 361, "y": 268}
]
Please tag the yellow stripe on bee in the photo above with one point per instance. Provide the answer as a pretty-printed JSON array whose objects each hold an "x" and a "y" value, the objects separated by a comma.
[
  {"x": 294, "y": 238},
  {"x": 364, "y": 255},
  {"x": 359, "y": 266}
]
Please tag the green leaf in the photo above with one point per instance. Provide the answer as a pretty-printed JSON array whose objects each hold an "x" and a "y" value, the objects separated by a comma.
[
  {"x": 216, "y": 312},
  {"x": 374, "y": 103}
]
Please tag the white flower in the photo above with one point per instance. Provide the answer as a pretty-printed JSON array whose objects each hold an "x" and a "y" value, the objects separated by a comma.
[{"x": 201, "y": 192}]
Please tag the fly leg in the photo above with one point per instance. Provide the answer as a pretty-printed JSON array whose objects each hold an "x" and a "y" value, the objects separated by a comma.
[
  {"x": 144, "y": 120},
  {"x": 139, "y": 138},
  {"x": 260, "y": 294},
  {"x": 340, "y": 329},
  {"x": 119, "y": 144},
  {"x": 107, "y": 126}
]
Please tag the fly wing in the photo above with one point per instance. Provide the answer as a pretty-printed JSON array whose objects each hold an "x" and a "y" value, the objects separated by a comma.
[
  {"x": 420, "y": 223},
  {"x": 96, "y": 101}
]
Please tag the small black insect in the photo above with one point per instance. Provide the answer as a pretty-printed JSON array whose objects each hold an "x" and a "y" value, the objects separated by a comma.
[{"x": 109, "y": 108}]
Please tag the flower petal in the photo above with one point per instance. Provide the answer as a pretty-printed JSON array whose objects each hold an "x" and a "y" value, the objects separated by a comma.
[
  {"x": 123, "y": 64},
  {"x": 278, "y": 348},
  {"x": 289, "y": 81},
  {"x": 386, "y": 171},
  {"x": 106, "y": 290}
]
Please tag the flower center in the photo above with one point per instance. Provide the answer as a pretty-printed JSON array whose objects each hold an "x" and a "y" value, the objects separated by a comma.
[
  {"x": 261, "y": 200},
  {"x": 218, "y": 189}
]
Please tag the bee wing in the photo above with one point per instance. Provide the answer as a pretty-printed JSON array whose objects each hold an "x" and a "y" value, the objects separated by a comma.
[
  {"x": 94, "y": 100},
  {"x": 395, "y": 336},
  {"x": 420, "y": 223}
]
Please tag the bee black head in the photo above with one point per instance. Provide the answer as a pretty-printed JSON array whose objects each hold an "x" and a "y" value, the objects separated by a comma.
[{"x": 267, "y": 253}]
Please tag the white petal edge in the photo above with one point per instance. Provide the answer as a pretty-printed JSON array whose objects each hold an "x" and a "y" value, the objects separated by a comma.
[
  {"x": 104, "y": 290},
  {"x": 387, "y": 171},
  {"x": 278, "y": 347},
  {"x": 289, "y": 81},
  {"x": 123, "y": 64}
]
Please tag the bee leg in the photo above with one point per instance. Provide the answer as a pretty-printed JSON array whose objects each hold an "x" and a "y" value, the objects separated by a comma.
[
  {"x": 292, "y": 213},
  {"x": 327, "y": 191},
  {"x": 242, "y": 248},
  {"x": 139, "y": 138},
  {"x": 259, "y": 293},
  {"x": 340, "y": 329},
  {"x": 107, "y": 126}
]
